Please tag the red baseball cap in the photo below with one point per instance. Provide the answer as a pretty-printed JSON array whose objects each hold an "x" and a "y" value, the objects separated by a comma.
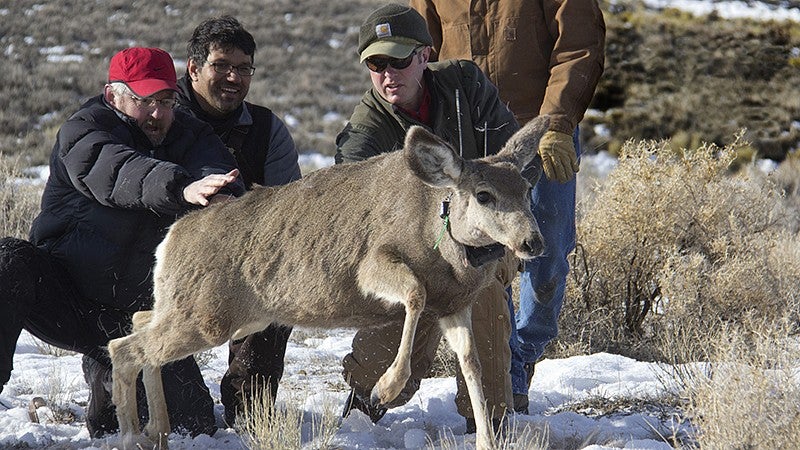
[{"x": 145, "y": 70}]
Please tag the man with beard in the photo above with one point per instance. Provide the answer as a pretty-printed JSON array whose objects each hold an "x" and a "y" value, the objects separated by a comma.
[
  {"x": 123, "y": 168},
  {"x": 219, "y": 69}
]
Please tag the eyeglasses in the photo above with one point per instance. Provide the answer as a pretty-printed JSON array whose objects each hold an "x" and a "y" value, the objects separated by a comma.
[
  {"x": 376, "y": 64},
  {"x": 226, "y": 68},
  {"x": 150, "y": 102}
]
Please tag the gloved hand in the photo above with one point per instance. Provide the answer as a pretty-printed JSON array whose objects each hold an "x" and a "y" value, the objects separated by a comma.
[{"x": 558, "y": 156}]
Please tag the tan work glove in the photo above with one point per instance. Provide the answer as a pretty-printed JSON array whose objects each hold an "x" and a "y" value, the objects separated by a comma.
[{"x": 558, "y": 156}]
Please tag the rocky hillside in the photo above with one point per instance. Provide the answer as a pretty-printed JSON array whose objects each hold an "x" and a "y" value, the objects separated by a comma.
[{"x": 668, "y": 74}]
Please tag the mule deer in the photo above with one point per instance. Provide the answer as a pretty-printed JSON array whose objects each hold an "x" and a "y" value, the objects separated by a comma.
[{"x": 346, "y": 246}]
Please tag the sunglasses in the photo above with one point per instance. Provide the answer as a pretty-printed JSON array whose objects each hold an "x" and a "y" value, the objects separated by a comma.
[{"x": 376, "y": 64}]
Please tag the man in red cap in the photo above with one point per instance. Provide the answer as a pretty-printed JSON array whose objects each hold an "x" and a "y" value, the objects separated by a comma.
[{"x": 123, "y": 168}]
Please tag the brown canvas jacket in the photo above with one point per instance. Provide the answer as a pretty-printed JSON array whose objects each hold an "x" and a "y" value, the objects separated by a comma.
[{"x": 544, "y": 56}]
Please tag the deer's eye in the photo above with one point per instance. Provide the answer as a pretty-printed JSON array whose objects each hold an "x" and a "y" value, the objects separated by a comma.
[{"x": 484, "y": 197}]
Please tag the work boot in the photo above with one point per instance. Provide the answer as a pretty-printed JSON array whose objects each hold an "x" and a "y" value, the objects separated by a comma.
[
  {"x": 521, "y": 401},
  {"x": 472, "y": 428},
  {"x": 101, "y": 417},
  {"x": 355, "y": 401}
]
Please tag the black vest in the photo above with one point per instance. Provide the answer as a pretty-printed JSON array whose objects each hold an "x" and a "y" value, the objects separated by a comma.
[{"x": 250, "y": 144}]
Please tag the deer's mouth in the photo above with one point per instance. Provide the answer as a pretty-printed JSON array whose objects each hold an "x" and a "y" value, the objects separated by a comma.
[{"x": 478, "y": 256}]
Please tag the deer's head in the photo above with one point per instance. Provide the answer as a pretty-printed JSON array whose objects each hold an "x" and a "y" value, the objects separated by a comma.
[{"x": 489, "y": 198}]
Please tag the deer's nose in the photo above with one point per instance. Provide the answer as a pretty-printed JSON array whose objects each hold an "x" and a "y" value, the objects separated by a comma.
[{"x": 534, "y": 245}]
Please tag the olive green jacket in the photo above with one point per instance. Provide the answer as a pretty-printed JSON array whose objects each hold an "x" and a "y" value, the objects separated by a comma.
[{"x": 377, "y": 126}]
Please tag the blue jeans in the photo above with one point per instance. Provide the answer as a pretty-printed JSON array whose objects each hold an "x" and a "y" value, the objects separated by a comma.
[{"x": 544, "y": 279}]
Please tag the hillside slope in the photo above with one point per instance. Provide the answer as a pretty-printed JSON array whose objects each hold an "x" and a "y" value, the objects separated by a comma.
[{"x": 667, "y": 73}]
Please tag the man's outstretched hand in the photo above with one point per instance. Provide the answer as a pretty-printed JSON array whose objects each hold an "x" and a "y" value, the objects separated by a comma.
[{"x": 201, "y": 191}]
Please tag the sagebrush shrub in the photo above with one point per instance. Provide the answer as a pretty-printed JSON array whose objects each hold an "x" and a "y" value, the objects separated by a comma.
[
  {"x": 19, "y": 199},
  {"x": 748, "y": 399},
  {"x": 676, "y": 241},
  {"x": 266, "y": 425}
]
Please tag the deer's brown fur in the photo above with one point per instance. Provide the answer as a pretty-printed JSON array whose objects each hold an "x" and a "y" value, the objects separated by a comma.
[{"x": 347, "y": 246}]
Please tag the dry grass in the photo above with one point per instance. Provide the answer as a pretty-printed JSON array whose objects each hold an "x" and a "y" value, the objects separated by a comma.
[
  {"x": 46, "y": 349},
  {"x": 747, "y": 398},
  {"x": 517, "y": 436},
  {"x": 19, "y": 198},
  {"x": 285, "y": 427},
  {"x": 59, "y": 392}
]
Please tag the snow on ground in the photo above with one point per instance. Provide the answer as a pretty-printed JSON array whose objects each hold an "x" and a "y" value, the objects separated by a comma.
[{"x": 312, "y": 381}]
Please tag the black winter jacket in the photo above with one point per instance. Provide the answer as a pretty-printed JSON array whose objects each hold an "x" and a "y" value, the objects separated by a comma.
[{"x": 111, "y": 196}]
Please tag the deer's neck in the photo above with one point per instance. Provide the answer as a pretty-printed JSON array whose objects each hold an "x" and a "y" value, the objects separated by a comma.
[{"x": 468, "y": 255}]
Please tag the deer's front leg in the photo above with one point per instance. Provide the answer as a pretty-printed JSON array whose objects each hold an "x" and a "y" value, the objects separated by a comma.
[
  {"x": 384, "y": 275},
  {"x": 457, "y": 329}
]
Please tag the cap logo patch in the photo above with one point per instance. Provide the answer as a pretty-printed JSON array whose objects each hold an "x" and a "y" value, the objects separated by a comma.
[{"x": 383, "y": 30}]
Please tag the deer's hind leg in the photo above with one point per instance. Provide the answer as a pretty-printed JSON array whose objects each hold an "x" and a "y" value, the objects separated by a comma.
[
  {"x": 154, "y": 387},
  {"x": 157, "y": 339},
  {"x": 127, "y": 359},
  {"x": 384, "y": 275}
]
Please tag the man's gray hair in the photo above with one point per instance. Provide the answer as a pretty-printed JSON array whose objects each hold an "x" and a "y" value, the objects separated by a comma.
[{"x": 120, "y": 88}]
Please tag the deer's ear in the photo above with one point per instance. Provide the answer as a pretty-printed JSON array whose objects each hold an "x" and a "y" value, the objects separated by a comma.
[
  {"x": 432, "y": 159},
  {"x": 523, "y": 147}
]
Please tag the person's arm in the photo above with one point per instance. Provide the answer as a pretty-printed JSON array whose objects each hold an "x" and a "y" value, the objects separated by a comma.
[
  {"x": 371, "y": 130},
  {"x": 576, "y": 63},
  {"x": 103, "y": 166},
  {"x": 280, "y": 166},
  {"x": 354, "y": 144},
  {"x": 96, "y": 149}
]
